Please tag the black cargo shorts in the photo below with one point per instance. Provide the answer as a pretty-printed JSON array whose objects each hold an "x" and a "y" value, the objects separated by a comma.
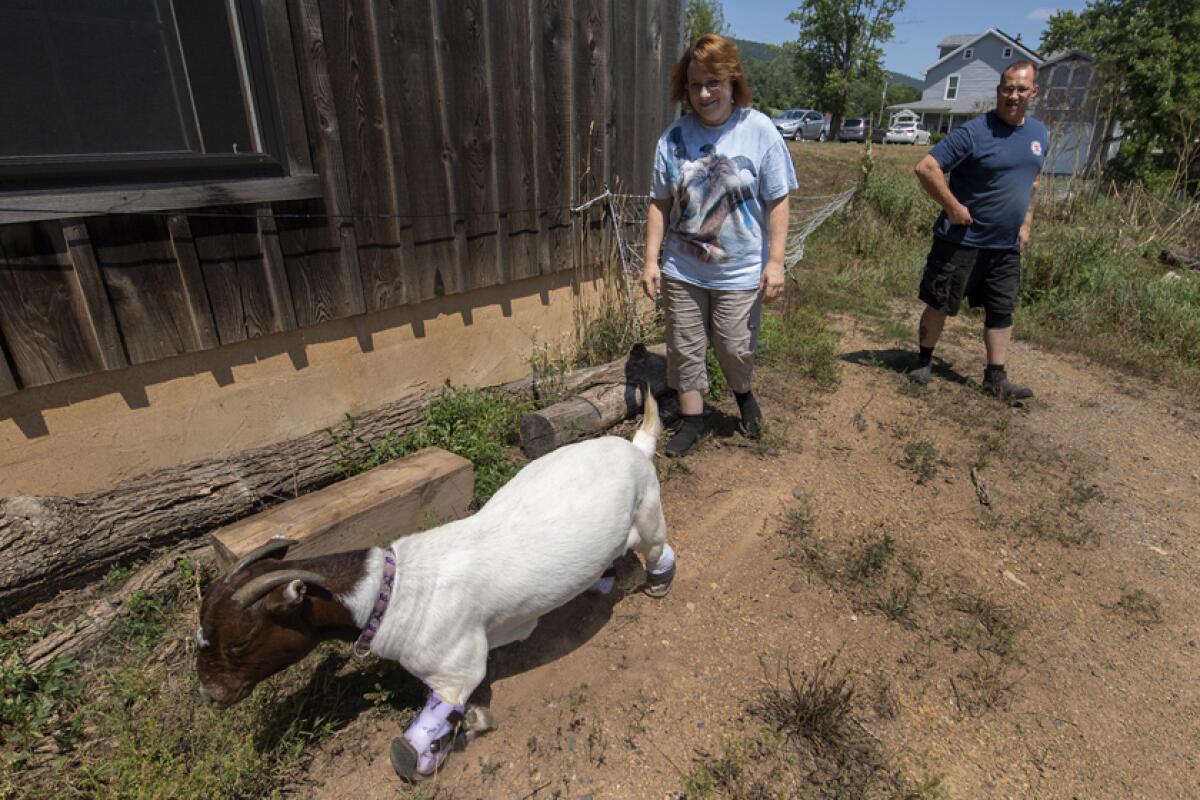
[{"x": 990, "y": 279}]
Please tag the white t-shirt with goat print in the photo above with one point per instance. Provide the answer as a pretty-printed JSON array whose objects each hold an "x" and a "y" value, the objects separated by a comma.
[{"x": 720, "y": 179}]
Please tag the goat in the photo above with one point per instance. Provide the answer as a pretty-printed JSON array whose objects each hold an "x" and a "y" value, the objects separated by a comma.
[{"x": 458, "y": 591}]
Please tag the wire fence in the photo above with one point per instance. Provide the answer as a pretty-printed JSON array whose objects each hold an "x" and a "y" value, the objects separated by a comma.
[{"x": 627, "y": 214}]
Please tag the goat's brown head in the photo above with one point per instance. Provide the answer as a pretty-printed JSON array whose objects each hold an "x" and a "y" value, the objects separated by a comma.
[{"x": 254, "y": 622}]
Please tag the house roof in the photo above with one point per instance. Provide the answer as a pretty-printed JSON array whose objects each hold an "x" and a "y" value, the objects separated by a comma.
[
  {"x": 963, "y": 105},
  {"x": 1030, "y": 54},
  {"x": 1064, "y": 55},
  {"x": 956, "y": 39}
]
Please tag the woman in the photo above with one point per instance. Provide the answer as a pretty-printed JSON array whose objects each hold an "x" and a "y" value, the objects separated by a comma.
[{"x": 719, "y": 193}]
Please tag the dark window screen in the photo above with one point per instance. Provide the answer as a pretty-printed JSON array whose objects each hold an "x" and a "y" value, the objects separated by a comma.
[{"x": 92, "y": 81}]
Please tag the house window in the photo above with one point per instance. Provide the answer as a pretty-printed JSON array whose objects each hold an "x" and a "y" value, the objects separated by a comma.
[
  {"x": 134, "y": 92},
  {"x": 952, "y": 87},
  {"x": 968, "y": 54},
  {"x": 1007, "y": 53}
]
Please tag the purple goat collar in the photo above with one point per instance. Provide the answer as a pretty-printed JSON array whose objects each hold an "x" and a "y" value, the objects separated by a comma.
[{"x": 362, "y": 647}]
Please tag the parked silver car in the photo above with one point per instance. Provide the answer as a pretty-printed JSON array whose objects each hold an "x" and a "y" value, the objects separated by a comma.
[
  {"x": 907, "y": 133},
  {"x": 802, "y": 123},
  {"x": 855, "y": 129}
]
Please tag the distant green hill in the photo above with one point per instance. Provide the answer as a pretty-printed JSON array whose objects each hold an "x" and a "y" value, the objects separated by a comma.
[
  {"x": 758, "y": 51},
  {"x": 907, "y": 80},
  {"x": 761, "y": 51}
]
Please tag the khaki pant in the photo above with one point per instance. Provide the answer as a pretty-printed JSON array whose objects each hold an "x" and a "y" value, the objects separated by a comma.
[{"x": 696, "y": 316}]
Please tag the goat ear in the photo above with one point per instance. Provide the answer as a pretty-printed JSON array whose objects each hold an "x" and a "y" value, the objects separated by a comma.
[
  {"x": 286, "y": 602},
  {"x": 293, "y": 593}
]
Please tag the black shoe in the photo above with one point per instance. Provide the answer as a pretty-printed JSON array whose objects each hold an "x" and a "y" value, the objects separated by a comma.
[
  {"x": 921, "y": 375},
  {"x": 751, "y": 414},
  {"x": 997, "y": 384},
  {"x": 688, "y": 434}
]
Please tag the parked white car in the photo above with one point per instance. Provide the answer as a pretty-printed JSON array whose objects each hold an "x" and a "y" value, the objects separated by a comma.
[{"x": 906, "y": 133}]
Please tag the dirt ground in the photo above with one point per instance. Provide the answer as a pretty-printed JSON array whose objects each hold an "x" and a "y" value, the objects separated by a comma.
[{"x": 1041, "y": 646}]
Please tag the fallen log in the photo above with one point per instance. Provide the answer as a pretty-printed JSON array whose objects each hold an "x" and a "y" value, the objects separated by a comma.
[
  {"x": 78, "y": 637},
  {"x": 550, "y": 389},
  {"x": 1177, "y": 257},
  {"x": 51, "y": 543},
  {"x": 615, "y": 396},
  {"x": 48, "y": 544}
]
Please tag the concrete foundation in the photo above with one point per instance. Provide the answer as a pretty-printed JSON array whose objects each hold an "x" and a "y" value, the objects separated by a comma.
[{"x": 90, "y": 433}]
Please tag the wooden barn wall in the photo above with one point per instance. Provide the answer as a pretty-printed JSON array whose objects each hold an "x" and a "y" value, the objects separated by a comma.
[{"x": 451, "y": 138}]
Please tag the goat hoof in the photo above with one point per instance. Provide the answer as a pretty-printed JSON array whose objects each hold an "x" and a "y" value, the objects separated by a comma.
[
  {"x": 406, "y": 761},
  {"x": 658, "y": 585},
  {"x": 479, "y": 719}
]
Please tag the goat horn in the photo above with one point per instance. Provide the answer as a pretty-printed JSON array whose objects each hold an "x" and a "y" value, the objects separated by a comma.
[
  {"x": 258, "y": 587},
  {"x": 275, "y": 548}
]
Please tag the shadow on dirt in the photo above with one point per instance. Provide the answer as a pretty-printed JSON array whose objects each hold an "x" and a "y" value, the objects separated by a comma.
[
  {"x": 561, "y": 631},
  {"x": 901, "y": 361}
]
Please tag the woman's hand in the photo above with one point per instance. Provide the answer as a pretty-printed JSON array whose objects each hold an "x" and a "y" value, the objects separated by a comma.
[
  {"x": 771, "y": 283},
  {"x": 651, "y": 279}
]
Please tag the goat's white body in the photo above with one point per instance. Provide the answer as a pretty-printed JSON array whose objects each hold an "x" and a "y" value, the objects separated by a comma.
[{"x": 481, "y": 582}]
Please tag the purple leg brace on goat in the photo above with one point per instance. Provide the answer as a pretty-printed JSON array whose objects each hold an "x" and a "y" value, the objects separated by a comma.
[{"x": 431, "y": 725}]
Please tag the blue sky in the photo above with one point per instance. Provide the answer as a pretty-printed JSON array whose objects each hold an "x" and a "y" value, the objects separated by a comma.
[{"x": 919, "y": 27}]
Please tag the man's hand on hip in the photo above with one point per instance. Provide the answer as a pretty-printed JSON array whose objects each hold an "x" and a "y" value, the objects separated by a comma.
[{"x": 958, "y": 214}]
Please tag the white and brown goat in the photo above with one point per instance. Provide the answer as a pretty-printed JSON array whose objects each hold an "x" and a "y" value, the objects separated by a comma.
[{"x": 458, "y": 591}]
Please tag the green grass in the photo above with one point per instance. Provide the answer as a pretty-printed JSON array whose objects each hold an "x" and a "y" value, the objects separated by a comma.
[
  {"x": 130, "y": 723},
  {"x": 921, "y": 458},
  {"x": 38, "y": 704},
  {"x": 478, "y": 425},
  {"x": 801, "y": 339},
  {"x": 1092, "y": 279}
]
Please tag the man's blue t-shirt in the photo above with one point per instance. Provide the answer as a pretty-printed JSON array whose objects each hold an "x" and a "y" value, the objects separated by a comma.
[
  {"x": 720, "y": 179},
  {"x": 992, "y": 168}
]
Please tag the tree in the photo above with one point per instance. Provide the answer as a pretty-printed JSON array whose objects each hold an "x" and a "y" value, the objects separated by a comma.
[
  {"x": 868, "y": 94},
  {"x": 840, "y": 43},
  {"x": 704, "y": 16},
  {"x": 1148, "y": 56},
  {"x": 773, "y": 80}
]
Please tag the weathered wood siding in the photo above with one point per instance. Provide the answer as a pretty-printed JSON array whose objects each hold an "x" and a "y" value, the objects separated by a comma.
[{"x": 450, "y": 140}]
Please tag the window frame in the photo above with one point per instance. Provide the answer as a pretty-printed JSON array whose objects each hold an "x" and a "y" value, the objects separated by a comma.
[
  {"x": 53, "y": 187},
  {"x": 957, "y": 79},
  {"x": 1007, "y": 52},
  {"x": 968, "y": 53}
]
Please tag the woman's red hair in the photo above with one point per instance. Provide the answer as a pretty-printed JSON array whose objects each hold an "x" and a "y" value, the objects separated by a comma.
[{"x": 717, "y": 55}]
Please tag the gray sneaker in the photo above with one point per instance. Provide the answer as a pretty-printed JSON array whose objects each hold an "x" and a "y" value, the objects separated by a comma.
[
  {"x": 998, "y": 385},
  {"x": 920, "y": 374}
]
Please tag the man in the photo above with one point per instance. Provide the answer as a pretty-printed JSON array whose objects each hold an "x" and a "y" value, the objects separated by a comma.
[{"x": 994, "y": 161}]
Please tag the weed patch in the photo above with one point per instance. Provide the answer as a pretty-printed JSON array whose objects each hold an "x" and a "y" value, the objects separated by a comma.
[
  {"x": 993, "y": 627},
  {"x": 38, "y": 704},
  {"x": 801, "y": 340},
  {"x": 873, "y": 558},
  {"x": 477, "y": 425},
  {"x": 1141, "y": 606},
  {"x": 984, "y": 687},
  {"x": 921, "y": 458}
]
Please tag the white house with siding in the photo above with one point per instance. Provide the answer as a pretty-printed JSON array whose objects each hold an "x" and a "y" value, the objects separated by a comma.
[{"x": 961, "y": 84}]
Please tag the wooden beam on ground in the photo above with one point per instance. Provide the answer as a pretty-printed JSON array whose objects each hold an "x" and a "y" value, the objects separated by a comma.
[{"x": 409, "y": 494}]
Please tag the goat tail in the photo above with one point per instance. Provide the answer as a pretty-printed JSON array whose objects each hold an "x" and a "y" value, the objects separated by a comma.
[{"x": 646, "y": 438}]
